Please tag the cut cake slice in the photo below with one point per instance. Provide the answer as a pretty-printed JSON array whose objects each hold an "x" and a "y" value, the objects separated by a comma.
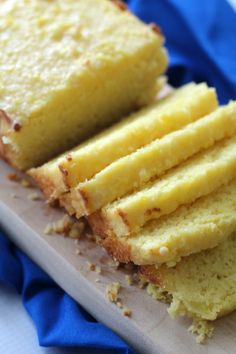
[
  {"x": 202, "y": 286},
  {"x": 190, "y": 229},
  {"x": 181, "y": 107},
  {"x": 69, "y": 68},
  {"x": 199, "y": 176},
  {"x": 133, "y": 171}
]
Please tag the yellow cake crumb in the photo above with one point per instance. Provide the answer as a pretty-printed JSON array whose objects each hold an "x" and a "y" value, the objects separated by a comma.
[
  {"x": 202, "y": 329},
  {"x": 112, "y": 291},
  {"x": 119, "y": 304},
  {"x": 129, "y": 279},
  {"x": 126, "y": 312},
  {"x": 67, "y": 225}
]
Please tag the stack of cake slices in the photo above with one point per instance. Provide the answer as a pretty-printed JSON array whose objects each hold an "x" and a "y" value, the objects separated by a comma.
[
  {"x": 159, "y": 190},
  {"x": 158, "y": 187}
]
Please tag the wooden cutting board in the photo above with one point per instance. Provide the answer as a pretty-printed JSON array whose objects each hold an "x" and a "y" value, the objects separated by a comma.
[{"x": 150, "y": 329}]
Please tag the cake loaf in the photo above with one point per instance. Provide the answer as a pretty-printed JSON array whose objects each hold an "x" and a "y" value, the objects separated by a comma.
[{"x": 69, "y": 68}]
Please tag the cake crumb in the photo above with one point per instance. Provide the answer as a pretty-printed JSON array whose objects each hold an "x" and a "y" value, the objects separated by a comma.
[
  {"x": 64, "y": 225},
  {"x": 78, "y": 251},
  {"x": 67, "y": 225},
  {"x": 76, "y": 230},
  {"x": 114, "y": 264},
  {"x": 158, "y": 293},
  {"x": 119, "y": 304},
  {"x": 142, "y": 283},
  {"x": 13, "y": 177},
  {"x": 202, "y": 329},
  {"x": 33, "y": 196},
  {"x": 112, "y": 291},
  {"x": 129, "y": 279},
  {"x": 26, "y": 183},
  {"x": 91, "y": 266},
  {"x": 94, "y": 268},
  {"x": 127, "y": 312},
  {"x": 48, "y": 229}
]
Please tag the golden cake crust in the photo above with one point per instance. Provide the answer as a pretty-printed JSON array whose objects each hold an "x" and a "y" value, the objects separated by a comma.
[
  {"x": 151, "y": 274},
  {"x": 8, "y": 127},
  {"x": 118, "y": 250},
  {"x": 115, "y": 247}
]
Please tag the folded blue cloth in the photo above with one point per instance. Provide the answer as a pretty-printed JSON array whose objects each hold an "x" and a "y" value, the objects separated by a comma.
[
  {"x": 201, "y": 42},
  {"x": 59, "y": 320}
]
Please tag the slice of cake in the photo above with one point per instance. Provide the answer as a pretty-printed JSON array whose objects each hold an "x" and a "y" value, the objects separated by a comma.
[
  {"x": 199, "y": 176},
  {"x": 183, "y": 106},
  {"x": 68, "y": 68},
  {"x": 190, "y": 229},
  {"x": 132, "y": 171},
  {"x": 202, "y": 286}
]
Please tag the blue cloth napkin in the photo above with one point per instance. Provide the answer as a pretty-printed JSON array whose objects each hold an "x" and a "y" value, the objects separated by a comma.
[
  {"x": 201, "y": 39},
  {"x": 59, "y": 320}
]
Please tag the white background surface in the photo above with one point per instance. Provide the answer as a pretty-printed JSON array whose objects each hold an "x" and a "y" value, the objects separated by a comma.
[{"x": 17, "y": 333}]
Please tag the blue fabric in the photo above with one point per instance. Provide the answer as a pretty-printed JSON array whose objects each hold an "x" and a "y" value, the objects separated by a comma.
[
  {"x": 201, "y": 42},
  {"x": 59, "y": 320}
]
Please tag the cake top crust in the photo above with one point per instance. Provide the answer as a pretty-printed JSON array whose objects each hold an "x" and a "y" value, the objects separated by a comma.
[{"x": 49, "y": 44}]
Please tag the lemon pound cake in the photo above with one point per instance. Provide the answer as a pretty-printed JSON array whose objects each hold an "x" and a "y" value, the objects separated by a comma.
[
  {"x": 181, "y": 107},
  {"x": 190, "y": 229},
  {"x": 68, "y": 68},
  {"x": 200, "y": 175},
  {"x": 132, "y": 171},
  {"x": 201, "y": 286}
]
